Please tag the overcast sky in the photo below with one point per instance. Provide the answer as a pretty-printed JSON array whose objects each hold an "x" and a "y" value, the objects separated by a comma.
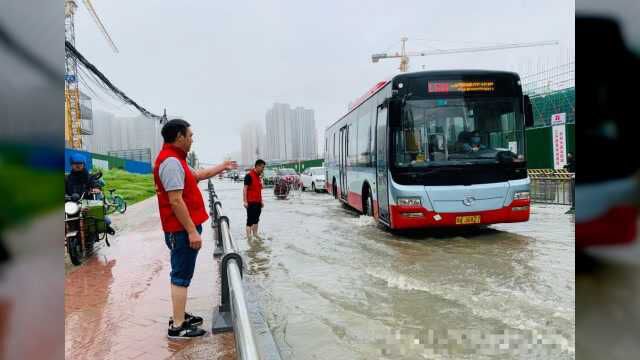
[{"x": 221, "y": 64}]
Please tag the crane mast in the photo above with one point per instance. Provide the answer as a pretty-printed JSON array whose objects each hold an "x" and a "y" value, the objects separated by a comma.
[
  {"x": 73, "y": 124},
  {"x": 73, "y": 133}
]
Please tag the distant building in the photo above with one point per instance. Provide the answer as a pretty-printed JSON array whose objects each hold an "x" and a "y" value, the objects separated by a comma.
[
  {"x": 252, "y": 143},
  {"x": 126, "y": 137},
  {"x": 290, "y": 133}
]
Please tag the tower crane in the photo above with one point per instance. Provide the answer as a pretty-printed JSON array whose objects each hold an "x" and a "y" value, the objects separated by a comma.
[
  {"x": 404, "y": 54},
  {"x": 73, "y": 126}
]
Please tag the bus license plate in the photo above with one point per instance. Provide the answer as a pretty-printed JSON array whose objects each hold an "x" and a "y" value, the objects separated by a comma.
[{"x": 463, "y": 220}]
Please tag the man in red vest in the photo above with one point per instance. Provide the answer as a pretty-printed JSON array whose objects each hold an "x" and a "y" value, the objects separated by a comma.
[
  {"x": 182, "y": 213},
  {"x": 252, "y": 197}
]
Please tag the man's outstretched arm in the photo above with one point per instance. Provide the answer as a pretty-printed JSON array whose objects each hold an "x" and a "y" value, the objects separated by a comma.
[{"x": 203, "y": 174}]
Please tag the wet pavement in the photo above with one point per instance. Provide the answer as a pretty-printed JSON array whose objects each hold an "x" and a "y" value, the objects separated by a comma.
[
  {"x": 117, "y": 304},
  {"x": 331, "y": 284}
]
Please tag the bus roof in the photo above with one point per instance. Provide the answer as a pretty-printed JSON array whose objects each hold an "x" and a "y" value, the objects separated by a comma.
[
  {"x": 435, "y": 73},
  {"x": 445, "y": 73}
]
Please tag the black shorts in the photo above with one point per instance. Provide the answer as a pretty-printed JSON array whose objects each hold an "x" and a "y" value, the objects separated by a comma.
[{"x": 253, "y": 213}]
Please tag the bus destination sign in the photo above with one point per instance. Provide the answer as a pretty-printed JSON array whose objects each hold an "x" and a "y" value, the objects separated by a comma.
[{"x": 445, "y": 86}]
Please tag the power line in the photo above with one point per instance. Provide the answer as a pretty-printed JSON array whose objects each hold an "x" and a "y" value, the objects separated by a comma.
[
  {"x": 76, "y": 54},
  {"x": 109, "y": 98}
]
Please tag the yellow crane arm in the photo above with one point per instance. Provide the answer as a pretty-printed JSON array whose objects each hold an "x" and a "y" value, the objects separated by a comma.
[
  {"x": 92, "y": 11},
  {"x": 482, "y": 48},
  {"x": 404, "y": 55}
]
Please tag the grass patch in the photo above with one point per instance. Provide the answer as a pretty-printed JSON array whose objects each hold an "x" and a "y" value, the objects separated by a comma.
[{"x": 132, "y": 187}]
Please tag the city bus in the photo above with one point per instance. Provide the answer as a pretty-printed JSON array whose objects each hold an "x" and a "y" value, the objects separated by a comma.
[{"x": 434, "y": 149}]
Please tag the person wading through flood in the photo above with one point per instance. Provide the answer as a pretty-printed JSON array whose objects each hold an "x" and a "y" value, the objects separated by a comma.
[
  {"x": 252, "y": 198},
  {"x": 182, "y": 213}
]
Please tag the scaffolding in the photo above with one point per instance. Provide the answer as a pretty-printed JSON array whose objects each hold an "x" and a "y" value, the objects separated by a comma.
[{"x": 552, "y": 91}]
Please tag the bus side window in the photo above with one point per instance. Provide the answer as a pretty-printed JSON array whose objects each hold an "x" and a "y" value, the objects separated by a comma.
[
  {"x": 333, "y": 158},
  {"x": 326, "y": 148}
]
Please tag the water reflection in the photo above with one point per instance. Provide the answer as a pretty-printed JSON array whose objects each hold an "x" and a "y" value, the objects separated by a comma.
[
  {"x": 259, "y": 256},
  {"x": 86, "y": 296}
]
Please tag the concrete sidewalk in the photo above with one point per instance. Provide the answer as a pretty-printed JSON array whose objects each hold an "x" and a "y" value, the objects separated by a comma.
[{"x": 117, "y": 304}]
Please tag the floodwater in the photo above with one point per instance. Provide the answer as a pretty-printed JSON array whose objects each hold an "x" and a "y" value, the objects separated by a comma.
[{"x": 332, "y": 284}]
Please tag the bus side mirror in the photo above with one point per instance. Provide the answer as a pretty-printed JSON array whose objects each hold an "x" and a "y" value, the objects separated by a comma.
[
  {"x": 395, "y": 107},
  {"x": 528, "y": 112}
]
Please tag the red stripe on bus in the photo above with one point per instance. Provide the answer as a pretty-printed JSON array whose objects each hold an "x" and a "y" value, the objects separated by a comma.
[
  {"x": 404, "y": 217},
  {"x": 355, "y": 200}
]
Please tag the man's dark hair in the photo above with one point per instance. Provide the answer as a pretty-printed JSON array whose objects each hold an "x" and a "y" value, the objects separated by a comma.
[
  {"x": 260, "y": 162},
  {"x": 172, "y": 128}
]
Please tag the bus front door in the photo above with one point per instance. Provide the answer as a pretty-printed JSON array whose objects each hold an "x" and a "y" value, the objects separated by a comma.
[
  {"x": 382, "y": 165},
  {"x": 344, "y": 148}
]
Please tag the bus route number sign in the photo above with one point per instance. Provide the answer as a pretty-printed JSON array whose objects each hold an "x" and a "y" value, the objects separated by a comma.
[{"x": 461, "y": 86}]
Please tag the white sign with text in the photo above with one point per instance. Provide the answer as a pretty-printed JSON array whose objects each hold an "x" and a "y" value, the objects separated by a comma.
[{"x": 559, "y": 139}]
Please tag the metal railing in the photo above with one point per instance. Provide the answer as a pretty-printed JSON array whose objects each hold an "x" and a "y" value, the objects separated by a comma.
[
  {"x": 550, "y": 186},
  {"x": 232, "y": 314}
]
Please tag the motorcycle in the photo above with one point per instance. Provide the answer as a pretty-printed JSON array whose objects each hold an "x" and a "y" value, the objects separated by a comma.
[{"x": 84, "y": 223}]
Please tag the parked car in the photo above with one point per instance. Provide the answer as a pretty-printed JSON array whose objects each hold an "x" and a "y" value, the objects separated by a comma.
[
  {"x": 268, "y": 177},
  {"x": 313, "y": 178}
]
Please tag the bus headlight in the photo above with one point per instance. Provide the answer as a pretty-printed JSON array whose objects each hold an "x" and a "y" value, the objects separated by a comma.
[
  {"x": 521, "y": 195},
  {"x": 71, "y": 208},
  {"x": 413, "y": 201}
]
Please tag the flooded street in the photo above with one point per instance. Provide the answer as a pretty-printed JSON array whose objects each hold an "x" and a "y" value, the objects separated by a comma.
[{"x": 332, "y": 284}]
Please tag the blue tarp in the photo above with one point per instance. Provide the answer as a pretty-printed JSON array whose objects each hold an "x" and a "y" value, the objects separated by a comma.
[
  {"x": 137, "y": 167},
  {"x": 132, "y": 166}
]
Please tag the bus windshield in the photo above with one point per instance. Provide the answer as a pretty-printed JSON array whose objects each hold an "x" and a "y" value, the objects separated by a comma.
[{"x": 452, "y": 131}]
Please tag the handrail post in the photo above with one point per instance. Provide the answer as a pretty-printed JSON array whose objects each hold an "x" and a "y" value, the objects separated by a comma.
[
  {"x": 232, "y": 313},
  {"x": 215, "y": 215}
]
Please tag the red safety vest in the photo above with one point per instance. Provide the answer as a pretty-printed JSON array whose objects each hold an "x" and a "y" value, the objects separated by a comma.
[
  {"x": 190, "y": 194},
  {"x": 254, "y": 191}
]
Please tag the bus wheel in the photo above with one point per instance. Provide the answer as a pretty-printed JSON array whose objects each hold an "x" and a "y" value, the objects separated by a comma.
[{"x": 367, "y": 202}]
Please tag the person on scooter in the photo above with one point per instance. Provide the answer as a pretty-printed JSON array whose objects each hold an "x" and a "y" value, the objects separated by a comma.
[{"x": 79, "y": 182}]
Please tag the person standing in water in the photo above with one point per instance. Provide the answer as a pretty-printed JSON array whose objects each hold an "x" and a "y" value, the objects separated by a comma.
[{"x": 252, "y": 198}]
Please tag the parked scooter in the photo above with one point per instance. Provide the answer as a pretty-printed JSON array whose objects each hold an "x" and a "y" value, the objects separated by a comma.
[
  {"x": 283, "y": 186},
  {"x": 84, "y": 224}
]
